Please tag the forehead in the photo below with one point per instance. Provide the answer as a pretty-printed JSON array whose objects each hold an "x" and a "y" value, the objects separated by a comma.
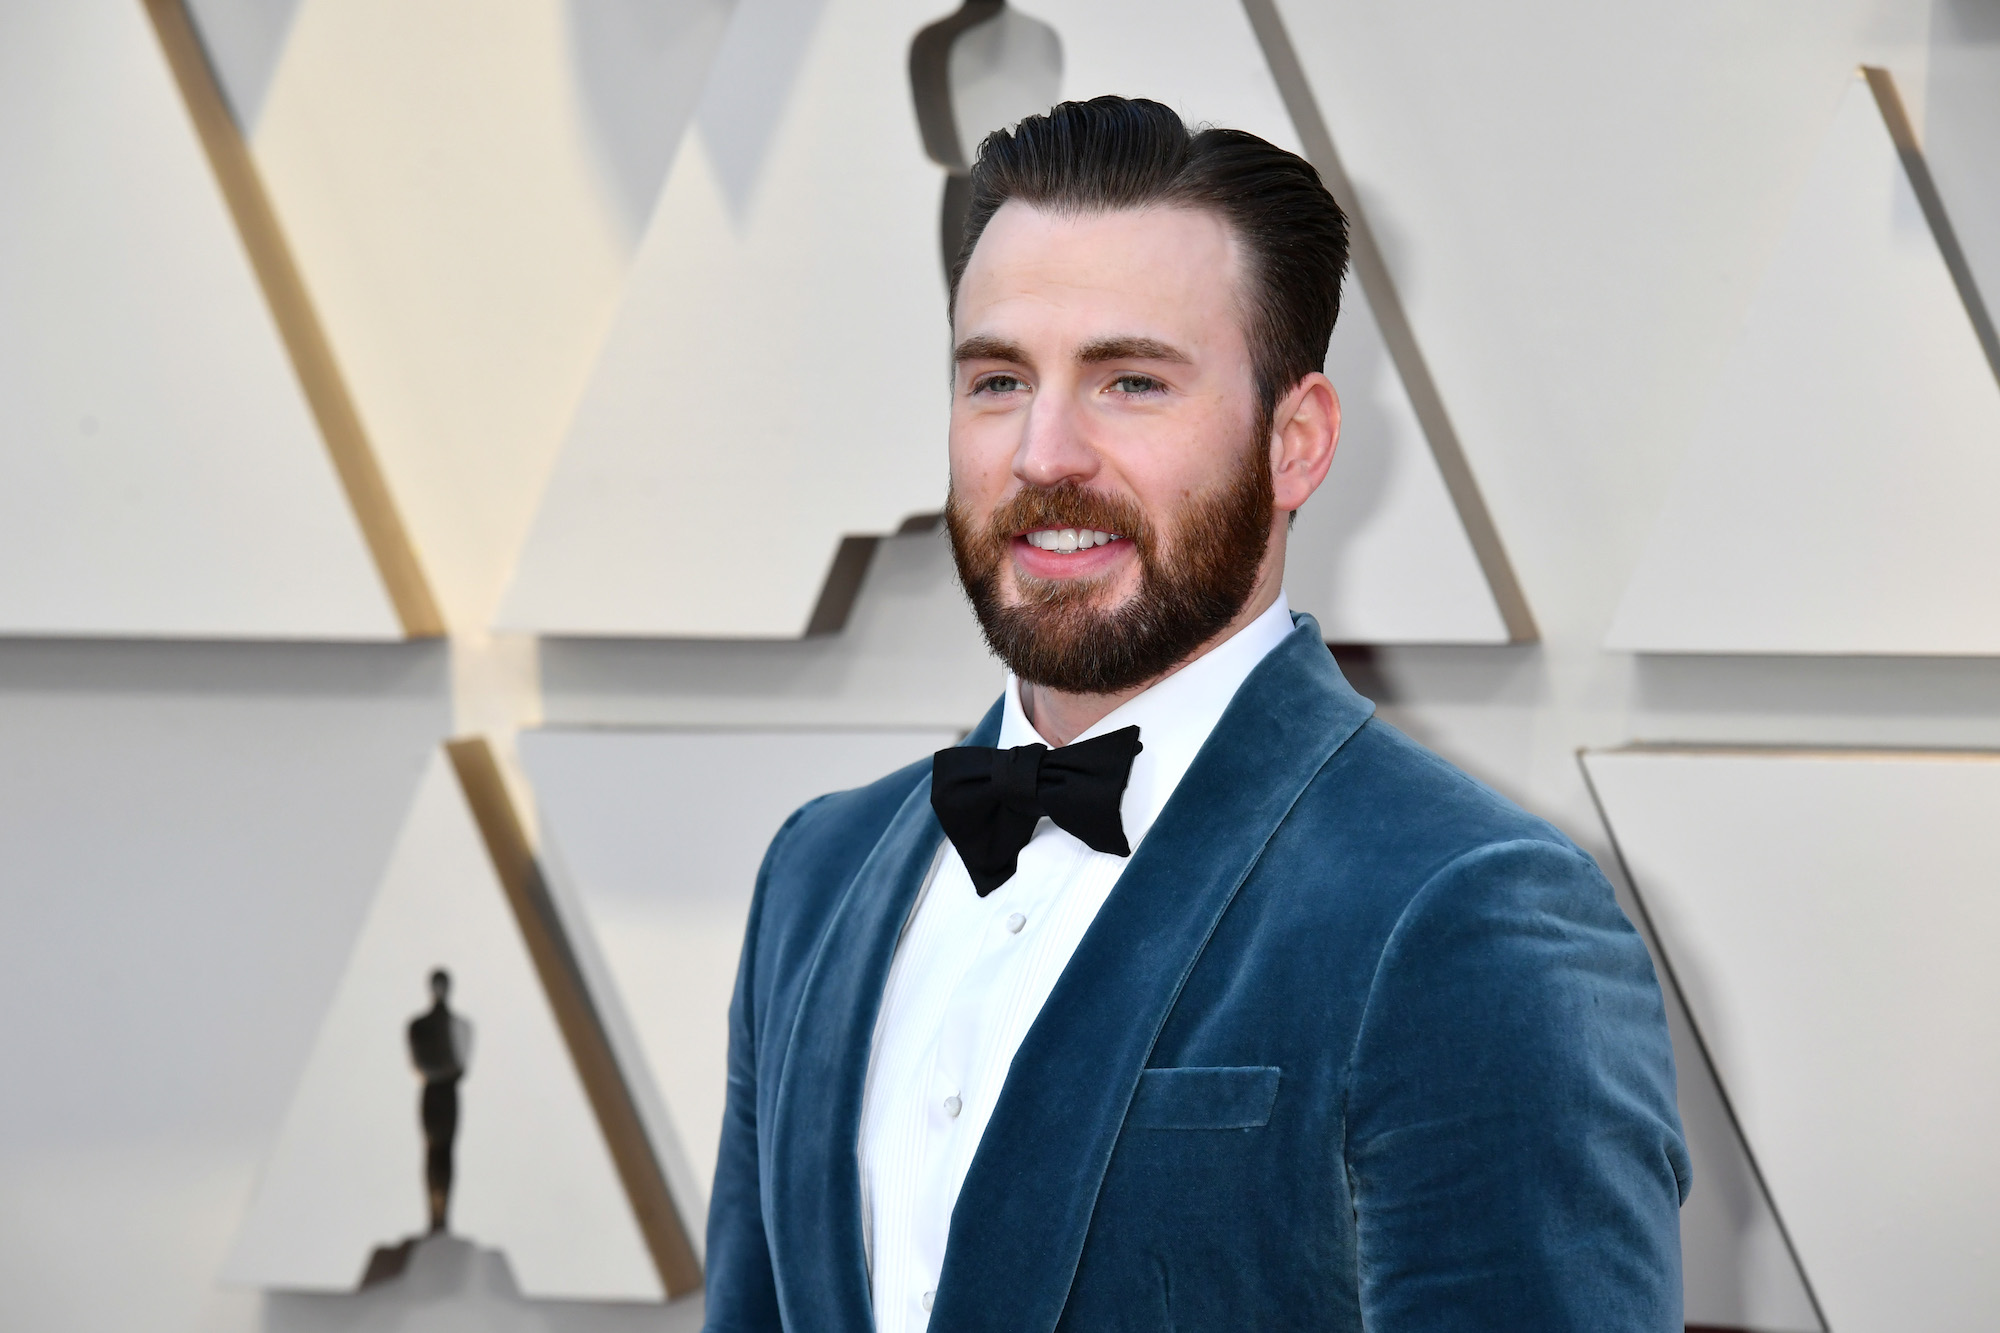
[{"x": 1168, "y": 271}]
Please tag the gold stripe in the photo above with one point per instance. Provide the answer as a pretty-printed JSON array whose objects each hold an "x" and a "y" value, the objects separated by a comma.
[
  {"x": 582, "y": 1028},
  {"x": 298, "y": 324}
]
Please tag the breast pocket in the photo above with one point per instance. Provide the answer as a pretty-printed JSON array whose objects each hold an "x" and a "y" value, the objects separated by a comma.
[{"x": 1232, "y": 1097}]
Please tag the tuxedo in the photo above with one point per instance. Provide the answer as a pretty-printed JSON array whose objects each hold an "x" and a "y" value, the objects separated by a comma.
[{"x": 1352, "y": 1043}]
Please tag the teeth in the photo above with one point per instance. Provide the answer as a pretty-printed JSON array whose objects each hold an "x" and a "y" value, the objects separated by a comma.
[{"x": 1067, "y": 540}]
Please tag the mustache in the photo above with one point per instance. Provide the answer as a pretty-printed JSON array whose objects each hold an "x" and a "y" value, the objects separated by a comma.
[{"x": 1067, "y": 505}]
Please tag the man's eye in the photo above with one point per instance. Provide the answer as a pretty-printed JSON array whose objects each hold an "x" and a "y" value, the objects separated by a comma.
[
  {"x": 1136, "y": 384},
  {"x": 998, "y": 384}
]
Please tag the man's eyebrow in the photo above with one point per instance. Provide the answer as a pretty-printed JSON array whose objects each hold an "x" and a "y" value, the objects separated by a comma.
[
  {"x": 984, "y": 348},
  {"x": 1130, "y": 348}
]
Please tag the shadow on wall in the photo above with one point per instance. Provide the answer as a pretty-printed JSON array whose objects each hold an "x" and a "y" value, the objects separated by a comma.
[
  {"x": 744, "y": 97},
  {"x": 910, "y": 654},
  {"x": 452, "y": 1285},
  {"x": 639, "y": 69},
  {"x": 1870, "y": 691},
  {"x": 245, "y": 39},
  {"x": 980, "y": 69},
  {"x": 1961, "y": 120}
]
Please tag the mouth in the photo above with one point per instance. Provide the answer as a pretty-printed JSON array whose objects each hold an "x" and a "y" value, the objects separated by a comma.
[
  {"x": 1069, "y": 553},
  {"x": 1066, "y": 541}
]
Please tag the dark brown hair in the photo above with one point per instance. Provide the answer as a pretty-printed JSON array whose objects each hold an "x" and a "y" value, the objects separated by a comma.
[{"x": 1123, "y": 152}]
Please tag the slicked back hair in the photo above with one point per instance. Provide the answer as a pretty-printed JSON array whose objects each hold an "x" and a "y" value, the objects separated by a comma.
[{"x": 1114, "y": 153}]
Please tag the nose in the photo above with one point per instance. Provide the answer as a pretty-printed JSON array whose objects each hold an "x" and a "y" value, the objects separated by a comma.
[{"x": 1053, "y": 448}]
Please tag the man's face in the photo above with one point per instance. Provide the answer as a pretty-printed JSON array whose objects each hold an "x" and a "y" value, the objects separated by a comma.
[{"x": 1104, "y": 384}]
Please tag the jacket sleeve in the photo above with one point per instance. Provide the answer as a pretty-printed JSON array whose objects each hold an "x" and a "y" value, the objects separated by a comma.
[
  {"x": 1513, "y": 1147},
  {"x": 741, "y": 1289}
]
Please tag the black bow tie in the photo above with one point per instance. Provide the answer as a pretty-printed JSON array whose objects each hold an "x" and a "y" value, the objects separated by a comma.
[{"x": 989, "y": 800}]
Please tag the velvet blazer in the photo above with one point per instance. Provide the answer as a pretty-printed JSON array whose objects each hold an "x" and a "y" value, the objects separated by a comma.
[{"x": 1354, "y": 1044}]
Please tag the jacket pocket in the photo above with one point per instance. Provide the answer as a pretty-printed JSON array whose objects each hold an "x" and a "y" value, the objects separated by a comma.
[{"x": 1237, "y": 1097}]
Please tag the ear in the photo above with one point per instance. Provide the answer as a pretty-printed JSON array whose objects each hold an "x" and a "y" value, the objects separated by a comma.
[{"x": 1304, "y": 429}]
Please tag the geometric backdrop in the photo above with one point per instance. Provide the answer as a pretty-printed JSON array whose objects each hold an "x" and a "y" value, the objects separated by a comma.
[{"x": 1493, "y": 138}]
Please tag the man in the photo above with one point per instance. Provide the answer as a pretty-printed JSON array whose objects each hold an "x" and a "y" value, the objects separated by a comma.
[
  {"x": 440, "y": 1049},
  {"x": 1235, "y": 1009}
]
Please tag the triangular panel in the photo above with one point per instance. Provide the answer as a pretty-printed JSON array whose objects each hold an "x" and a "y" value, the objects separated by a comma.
[
  {"x": 657, "y": 836},
  {"x": 1829, "y": 917},
  {"x": 161, "y": 470},
  {"x": 535, "y": 1178},
  {"x": 1839, "y": 493}
]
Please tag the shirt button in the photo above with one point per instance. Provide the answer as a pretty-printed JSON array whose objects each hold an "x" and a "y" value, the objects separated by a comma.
[
  {"x": 929, "y": 1296},
  {"x": 952, "y": 1106},
  {"x": 1015, "y": 922}
]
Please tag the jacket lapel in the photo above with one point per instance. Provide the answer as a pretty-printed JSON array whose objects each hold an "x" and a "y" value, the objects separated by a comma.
[
  {"x": 1018, "y": 1229},
  {"x": 812, "y": 1190}
]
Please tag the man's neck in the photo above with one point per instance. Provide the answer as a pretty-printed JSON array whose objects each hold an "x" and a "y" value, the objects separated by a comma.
[{"x": 1060, "y": 717}]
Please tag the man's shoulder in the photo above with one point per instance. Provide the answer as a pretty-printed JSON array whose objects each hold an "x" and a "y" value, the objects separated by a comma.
[
  {"x": 826, "y": 839},
  {"x": 1442, "y": 882},
  {"x": 1400, "y": 773},
  {"x": 1387, "y": 802}
]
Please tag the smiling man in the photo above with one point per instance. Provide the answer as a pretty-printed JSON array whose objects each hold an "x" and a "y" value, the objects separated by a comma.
[{"x": 1185, "y": 994}]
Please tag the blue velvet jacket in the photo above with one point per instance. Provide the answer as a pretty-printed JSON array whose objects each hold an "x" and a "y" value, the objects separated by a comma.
[{"x": 1354, "y": 1044}]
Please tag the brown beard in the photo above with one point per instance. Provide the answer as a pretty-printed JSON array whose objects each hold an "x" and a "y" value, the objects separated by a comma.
[{"x": 1057, "y": 636}]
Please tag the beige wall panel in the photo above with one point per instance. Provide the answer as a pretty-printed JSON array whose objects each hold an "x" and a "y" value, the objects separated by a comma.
[
  {"x": 1838, "y": 494},
  {"x": 656, "y": 837},
  {"x": 535, "y": 1179},
  {"x": 160, "y": 470},
  {"x": 456, "y": 180},
  {"x": 1830, "y": 917}
]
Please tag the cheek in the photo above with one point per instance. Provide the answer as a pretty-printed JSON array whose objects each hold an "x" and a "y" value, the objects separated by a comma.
[
  {"x": 981, "y": 452},
  {"x": 1166, "y": 476}
]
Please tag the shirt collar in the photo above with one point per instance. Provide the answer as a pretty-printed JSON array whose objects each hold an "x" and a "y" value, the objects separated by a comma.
[{"x": 1174, "y": 717}]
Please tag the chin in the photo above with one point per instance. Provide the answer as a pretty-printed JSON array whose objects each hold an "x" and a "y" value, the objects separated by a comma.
[{"x": 1105, "y": 593}]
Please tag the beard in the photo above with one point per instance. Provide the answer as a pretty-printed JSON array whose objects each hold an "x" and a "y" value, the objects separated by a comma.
[{"x": 1193, "y": 579}]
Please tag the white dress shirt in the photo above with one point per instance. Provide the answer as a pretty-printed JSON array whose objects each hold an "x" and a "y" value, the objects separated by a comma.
[{"x": 971, "y": 973}]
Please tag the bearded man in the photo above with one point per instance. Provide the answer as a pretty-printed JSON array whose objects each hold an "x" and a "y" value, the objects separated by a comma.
[{"x": 1183, "y": 995}]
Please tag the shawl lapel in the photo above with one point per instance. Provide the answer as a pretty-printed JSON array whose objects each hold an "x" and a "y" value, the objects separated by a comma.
[
  {"x": 812, "y": 1191},
  {"x": 1019, "y": 1226}
]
